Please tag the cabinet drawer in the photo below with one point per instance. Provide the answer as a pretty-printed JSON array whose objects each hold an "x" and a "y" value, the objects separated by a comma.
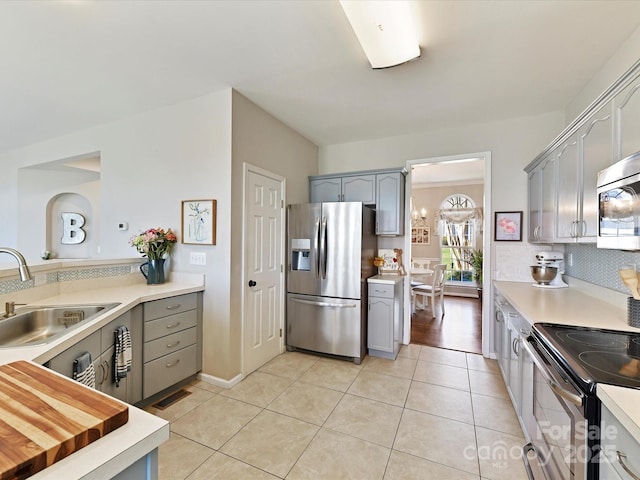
[
  {"x": 382, "y": 290},
  {"x": 169, "y": 344},
  {"x": 165, "y": 371},
  {"x": 167, "y": 325},
  {"x": 169, "y": 306}
]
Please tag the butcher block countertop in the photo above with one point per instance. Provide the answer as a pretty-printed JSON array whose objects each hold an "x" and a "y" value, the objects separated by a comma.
[
  {"x": 45, "y": 417},
  {"x": 109, "y": 455}
]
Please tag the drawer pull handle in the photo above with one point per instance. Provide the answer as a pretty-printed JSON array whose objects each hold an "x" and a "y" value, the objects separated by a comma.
[
  {"x": 621, "y": 457},
  {"x": 173, "y": 307},
  {"x": 169, "y": 365},
  {"x": 173, "y": 325},
  {"x": 171, "y": 345}
]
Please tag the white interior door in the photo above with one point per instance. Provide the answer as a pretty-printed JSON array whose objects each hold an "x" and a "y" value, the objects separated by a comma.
[{"x": 263, "y": 317}]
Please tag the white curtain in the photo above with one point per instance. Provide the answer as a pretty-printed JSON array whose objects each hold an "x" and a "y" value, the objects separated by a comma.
[{"x": 458, "y": 215}]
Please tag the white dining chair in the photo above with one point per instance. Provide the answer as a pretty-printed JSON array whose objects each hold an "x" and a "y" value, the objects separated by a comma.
[{"x": 436, "y": 289}]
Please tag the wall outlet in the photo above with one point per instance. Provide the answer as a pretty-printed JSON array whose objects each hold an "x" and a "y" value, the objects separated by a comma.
[
  {"x": 198, "y": 258},
  {"x": 570, "y": 260}
]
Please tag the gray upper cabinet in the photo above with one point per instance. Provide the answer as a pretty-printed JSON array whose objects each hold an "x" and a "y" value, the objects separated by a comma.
[
  {"x": 361, "y": 188},
  {"x": 380, "y": 189},
  {"x": 325, "y": 190},
  {"x": 567, "y": 213},
  {"x": 542, "y": 200},
  {"x": 608, "y": 131},
  {"x": 627, "y": 111},
  {"x": 595, "y": 140},
  {"x": 535, "y": 204},
  {"x": 390, "y": 203},
  {"x": 357, "y": 188}
]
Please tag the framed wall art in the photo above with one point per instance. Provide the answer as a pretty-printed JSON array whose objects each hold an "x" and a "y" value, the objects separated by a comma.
[
  {"x": 199, "y": 222},
  {"x": 421, "y": 235},
  {"x": 508, "y": 227}
]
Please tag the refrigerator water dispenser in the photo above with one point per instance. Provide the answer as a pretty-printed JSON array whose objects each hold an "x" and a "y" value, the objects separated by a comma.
[{"x": 300, "y": 249}]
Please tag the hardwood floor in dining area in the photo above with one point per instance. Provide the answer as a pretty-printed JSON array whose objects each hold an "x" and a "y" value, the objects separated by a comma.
[{"x": 459, "y": 329}]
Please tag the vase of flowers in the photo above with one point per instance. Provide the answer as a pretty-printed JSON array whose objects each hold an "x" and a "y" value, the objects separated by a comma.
[{"x": 155, "y": 244}]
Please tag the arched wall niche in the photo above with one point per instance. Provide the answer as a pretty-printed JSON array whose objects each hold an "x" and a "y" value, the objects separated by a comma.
[
  {"x": 70, "y": 203},
  {"x": 46, "y": 190}
]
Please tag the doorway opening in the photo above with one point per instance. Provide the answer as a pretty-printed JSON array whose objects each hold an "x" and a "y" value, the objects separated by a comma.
[{"x": 447, "y": 198}]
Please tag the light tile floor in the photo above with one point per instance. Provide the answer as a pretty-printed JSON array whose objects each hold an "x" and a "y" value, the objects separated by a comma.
[{"x": 430, "y": 414}]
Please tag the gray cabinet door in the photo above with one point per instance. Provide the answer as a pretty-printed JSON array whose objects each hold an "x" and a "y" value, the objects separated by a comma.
[
  {"x": 380, "y": 324},
  {"x": 535, "y": 205},
  {"x": 567, "y": 207},
  {"x": 325, "y": 190},
  {"x": 627, "y": 111},
  {"x": 549, "y": 200},
  {"x": 361, "y": 188},
  {"x": 105, "y": 381},
  {"x": 596, "y": 142},
  {"x": 390, "y": 204}
]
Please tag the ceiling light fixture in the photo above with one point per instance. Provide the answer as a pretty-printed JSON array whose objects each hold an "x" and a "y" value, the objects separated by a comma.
[{"x": 385, "y": 30}]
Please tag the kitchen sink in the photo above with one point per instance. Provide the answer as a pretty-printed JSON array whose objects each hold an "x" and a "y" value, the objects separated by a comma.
[{"x": 35, "y": 325}]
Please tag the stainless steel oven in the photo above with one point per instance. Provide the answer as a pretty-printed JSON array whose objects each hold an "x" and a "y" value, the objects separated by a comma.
[
  {"x": 557, "y": 425},
  {"x": 568, "y": 363}
]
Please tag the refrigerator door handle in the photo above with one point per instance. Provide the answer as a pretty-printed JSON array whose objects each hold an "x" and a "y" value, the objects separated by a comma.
[
  {"x": 323, "y": 248},
  {"x": 325, "y": 304},
  {"x": 315, "y": 247}
]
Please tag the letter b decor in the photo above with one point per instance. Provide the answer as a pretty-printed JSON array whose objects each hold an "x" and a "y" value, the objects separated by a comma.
[{"x": 72, "y": 232}]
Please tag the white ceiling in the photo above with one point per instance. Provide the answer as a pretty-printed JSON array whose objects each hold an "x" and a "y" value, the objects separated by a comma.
[
  {"x": 68, "y": 65},
  {"x": 458, "y": 172}
]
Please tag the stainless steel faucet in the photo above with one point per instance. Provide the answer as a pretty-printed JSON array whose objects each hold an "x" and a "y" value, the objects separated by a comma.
[{"x": 22, "y": 264}]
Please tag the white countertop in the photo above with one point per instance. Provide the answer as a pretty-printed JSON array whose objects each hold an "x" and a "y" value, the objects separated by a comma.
[
  {"x": 143, "y": 432},
  {"x": 583, "y": 306},
  {"x": 574, "y": 305},
  {"x": 388, "y": 278},
  {"x": 128, "y": 296}
]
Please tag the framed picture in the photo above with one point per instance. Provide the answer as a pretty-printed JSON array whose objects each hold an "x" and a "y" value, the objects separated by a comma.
[
  {"x": 199, "y": 222},
  {"x": 508, "y": 227},
  {"x": 421, "y": 235}
]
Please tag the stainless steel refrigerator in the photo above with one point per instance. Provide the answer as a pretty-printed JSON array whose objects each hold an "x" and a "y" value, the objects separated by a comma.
[{"x": 331, "y": 247}]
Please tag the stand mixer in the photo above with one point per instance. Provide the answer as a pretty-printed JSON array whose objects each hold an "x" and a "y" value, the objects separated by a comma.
[{"x": 548, "y": 272}]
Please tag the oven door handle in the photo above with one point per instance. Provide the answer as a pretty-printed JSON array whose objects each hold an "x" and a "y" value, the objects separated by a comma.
[{"x": 576, "y": 399}]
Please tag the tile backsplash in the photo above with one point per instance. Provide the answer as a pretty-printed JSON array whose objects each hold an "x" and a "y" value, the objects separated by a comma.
[
  {"x": 599, "y": 266},
  {"x": 585, "y": 262},
  {"x": 513, "y": 261}
]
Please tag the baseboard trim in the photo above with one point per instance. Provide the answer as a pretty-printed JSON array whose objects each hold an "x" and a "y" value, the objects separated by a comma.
[{"x": 220, "y": 382}]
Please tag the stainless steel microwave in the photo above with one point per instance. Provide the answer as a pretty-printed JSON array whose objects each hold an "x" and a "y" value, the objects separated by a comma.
[{"x": 618, "y": 190}]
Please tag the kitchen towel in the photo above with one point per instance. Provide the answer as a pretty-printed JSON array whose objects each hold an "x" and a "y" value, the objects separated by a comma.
[
  {"x": 83, "y": 371},
  {"x": 122, "y": 355}
]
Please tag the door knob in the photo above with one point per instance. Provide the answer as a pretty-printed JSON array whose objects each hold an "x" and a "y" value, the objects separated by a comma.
[{"x": 252, "y": 283}]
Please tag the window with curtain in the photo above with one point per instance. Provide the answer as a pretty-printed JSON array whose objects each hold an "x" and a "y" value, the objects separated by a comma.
[{"x": 458, "y": 220}]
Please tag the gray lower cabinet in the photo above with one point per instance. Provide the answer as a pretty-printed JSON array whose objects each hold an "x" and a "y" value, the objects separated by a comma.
[
  {"x": 100, "y": 345},
  {"x": 172, "y": 349},
  {"x": 166, "y": 337},
  {"x": 621, "y": 451},
  {"x": 384, "y": 324}
]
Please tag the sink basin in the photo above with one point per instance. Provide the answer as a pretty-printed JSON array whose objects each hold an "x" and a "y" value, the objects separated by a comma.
[{"x": 35, "y": 325}]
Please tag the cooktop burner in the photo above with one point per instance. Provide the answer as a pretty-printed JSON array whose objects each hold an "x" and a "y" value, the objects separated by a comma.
[
  {"x": 587, "y": 338},
  {"x": 593, "y": 355}
]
